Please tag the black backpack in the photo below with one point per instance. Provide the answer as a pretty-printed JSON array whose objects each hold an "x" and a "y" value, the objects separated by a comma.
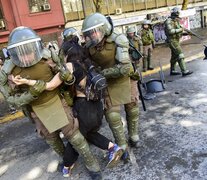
[{"x": 95, "y": 82}]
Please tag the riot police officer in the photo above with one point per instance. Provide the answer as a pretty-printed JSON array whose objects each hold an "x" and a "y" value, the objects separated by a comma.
[
  {"x": 174, "y": 31},
  {"x": 134, "y": 39},
  {"x": 148, "y": 44},
  {"x": 26, "y": 51},
  {"x": 109, "y": 51}
]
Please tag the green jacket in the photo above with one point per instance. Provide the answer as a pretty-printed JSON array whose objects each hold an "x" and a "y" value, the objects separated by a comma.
[
  {"x": 39, "y": 71},
  {"x": 110, "y": 57},
  {"x": 173, "y": 29},
  {"x": 147, "y": 37}
]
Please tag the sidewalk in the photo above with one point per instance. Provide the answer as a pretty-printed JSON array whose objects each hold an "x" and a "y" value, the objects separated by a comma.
[{"x": 193, "y": 49}]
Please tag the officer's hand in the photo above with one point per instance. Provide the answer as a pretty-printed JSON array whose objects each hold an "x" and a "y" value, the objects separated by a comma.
[
  {"x": 65, "y": 74},
  {"x": 11, "y": 100},
  {"x": 135, "y": 76},
  {"x": 38, "y": 88}
]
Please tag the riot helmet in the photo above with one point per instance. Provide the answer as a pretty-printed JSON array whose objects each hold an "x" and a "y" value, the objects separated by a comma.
[
  {"x": 95, "y": 27},
  {"x": 130, "y": 32},
  {"x": 25, "y": 47},
  {"x": 175, "y": 12},
  {"x": 71, "y": 34},
  {"x": 146, "y": 24}
]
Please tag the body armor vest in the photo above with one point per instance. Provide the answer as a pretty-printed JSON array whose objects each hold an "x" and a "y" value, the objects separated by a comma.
[
  {"x": 175, "y": 25},
  {"x": 106, "y": 57},
  {"x": 117, "y": 87},
  {"x": 134, "y": 42},
  {"x": 147, "y": 37},
  {"x": 39, "y": 71}
]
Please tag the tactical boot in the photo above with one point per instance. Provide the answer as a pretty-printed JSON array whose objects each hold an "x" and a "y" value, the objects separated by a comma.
[
  {"x": 132, "y": 117},
  {"x": 81, "y": 146},
  {"x": 135, "y": 144},
  {"x": 116, "y": 126},
  {"x": 187, "y": 72},
  {"x": 174, "y": 73},
  {"x": 125, "y": 157},
  {"x": 150, "y": 68}
]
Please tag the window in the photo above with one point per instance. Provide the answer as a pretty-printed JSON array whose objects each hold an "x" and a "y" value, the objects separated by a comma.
[
  {"x": 36, "y": 6},
  {"x": 72, "y": 5},
  {"x": 2, "y": 22}
]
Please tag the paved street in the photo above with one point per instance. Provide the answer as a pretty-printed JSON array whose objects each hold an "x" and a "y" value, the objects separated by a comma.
[{"x": 173, "y": 131}]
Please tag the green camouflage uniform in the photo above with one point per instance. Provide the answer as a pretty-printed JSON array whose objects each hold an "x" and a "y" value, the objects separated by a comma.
[
  {"x": 174, "y": 31},
  {"x": 148, "y": 41},
  {"x": 44, "y": 103},
  {"x": 113, "y": 58}
]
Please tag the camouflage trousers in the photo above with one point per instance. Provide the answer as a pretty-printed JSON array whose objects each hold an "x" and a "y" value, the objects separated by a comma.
[
  {"x": 177, "y": 56},
  {"x": 113, "y": 117},
  {"x": 147, "y": 53}
]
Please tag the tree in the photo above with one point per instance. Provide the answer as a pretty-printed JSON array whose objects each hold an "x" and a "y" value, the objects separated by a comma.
[
  {"x": 97, "y": 4},
  {"x": 185, "y": 4}
]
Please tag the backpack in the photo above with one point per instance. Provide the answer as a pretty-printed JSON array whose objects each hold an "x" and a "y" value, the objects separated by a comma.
[{"x": 95, "y": 82}]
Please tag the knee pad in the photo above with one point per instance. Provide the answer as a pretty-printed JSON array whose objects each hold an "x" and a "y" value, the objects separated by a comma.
[
  {"x": 132, "y": 113},
  {"x": 81, "y": 146},
  {"x": 181, "y": 56},
  {"x": 116, "y": 126},
  {"x": 56, "y": 143},
  {"x": 113, "y": 118}
]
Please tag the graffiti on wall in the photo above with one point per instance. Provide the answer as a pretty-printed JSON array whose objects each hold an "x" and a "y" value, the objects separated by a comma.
[
  {"x": 159, "y": 32},
  {"x": 159, "y": 27},
  {"x": 195, "y": 21},
  {"x": 185, "y": 23}
]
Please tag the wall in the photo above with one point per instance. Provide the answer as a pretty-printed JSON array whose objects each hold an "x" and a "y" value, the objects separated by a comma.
[
  {"x": 16, "y": 13},
  {"x": 41, "y": 20}
]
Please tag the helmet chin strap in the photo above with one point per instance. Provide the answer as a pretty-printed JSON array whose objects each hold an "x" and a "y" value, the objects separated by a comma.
[
  {"x": 100, "y": 45},
  {"x": 111, "y": 23}
]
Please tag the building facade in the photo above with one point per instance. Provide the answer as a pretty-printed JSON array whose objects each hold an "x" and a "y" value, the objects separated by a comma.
[
  {"x": 44, "y": 16},
  {"x": 48, "y": 17}
]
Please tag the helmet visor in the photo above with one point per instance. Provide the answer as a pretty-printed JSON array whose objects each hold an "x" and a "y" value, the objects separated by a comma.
[
  {"x": 93, "y": 36},
  {"x": 26, "y": 55}
]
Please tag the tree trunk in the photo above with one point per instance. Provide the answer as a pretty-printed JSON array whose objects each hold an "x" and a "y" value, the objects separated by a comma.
[
  {"x": 98, "y": 4},
  {"x": 185, "y": 4}
]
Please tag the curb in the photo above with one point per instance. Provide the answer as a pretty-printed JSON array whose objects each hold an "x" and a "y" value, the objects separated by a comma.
[
  {"x": 19, "y": 114},
  {"x": 11, "y": 117},
  {"x": 167, "y": 66}
]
